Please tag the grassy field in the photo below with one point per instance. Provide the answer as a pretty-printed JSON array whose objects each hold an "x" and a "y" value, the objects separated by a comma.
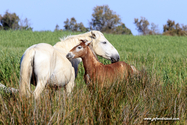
[{"x": 163, "y": 95}]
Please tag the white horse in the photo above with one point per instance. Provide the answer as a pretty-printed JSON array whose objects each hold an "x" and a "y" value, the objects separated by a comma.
[{"x": 45, "y": 65}]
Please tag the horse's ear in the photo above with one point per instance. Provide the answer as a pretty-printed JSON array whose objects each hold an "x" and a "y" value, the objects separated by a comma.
[
  {"x": 84, "y": 41},
  {"x": 93, "y": 35},
  {"x": 88, "y": 43}
]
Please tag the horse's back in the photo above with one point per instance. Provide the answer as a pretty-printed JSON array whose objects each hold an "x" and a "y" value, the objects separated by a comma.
[
  {"x": 40, "y": 48},
  {"x": 118, "y": 70},
  {"x": 124, "y": 67},
  {"x": 44, "y": 53},
  {"x": 117, "y": 67}
]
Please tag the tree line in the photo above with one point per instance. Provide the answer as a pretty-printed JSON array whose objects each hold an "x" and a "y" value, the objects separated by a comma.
[
  {"x": 12, "y": 21},
  {"x": 170, "y": 28},
  {"x": 103, "y": 19}
]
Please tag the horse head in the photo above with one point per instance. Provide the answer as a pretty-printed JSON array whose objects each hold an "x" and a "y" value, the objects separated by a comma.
[
  {"x": 103, "y": 47},
  {"x": 79, "y": 50}
]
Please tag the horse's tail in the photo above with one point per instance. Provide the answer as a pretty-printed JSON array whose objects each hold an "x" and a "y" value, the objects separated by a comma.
[
  {"x": 140, "y": 75},
  {"x": 26, "y": 70}
]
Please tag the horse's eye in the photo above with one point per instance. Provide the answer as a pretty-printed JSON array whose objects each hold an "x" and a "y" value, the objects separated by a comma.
[
  {"x": 104, "y": 42},
  {"x": 79, "y": 47}
]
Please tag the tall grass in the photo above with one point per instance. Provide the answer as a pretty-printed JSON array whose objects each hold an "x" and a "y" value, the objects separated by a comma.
[{"x": 162, "y": 95}]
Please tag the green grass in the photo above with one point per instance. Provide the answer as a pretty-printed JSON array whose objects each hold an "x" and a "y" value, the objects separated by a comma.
[{"x": 162, "y": 95}]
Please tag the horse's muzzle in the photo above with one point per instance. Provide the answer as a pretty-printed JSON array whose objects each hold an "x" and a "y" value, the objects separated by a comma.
[
  {"x": 115, "y": 59},
  {"x": 69, "y": 56}
]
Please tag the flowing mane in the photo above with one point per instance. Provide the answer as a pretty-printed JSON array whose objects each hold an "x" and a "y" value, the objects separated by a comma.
[
  {"x": 69, "y": 37},
  {"x": 70, "y": 41}
]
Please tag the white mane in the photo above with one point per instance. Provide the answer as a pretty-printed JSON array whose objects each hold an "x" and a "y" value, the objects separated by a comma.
[
  {"x": 68, "y": 42},
  {"x": 79, "y": 35}
]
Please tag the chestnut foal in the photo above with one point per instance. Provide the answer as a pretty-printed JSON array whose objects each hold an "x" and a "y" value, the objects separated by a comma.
[{"x": 96, "y": 71}]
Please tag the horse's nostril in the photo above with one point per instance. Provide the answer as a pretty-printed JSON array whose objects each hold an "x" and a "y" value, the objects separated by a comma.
[
  {"x": 115, "y": 59},
  {"x": 118, "y": 58},
  {"x": 68, "y": 55}
]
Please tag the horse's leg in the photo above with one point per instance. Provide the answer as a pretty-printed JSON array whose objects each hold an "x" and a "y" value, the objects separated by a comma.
[
  {"x": 87, "y": 79},
  {"x": 69, "y": 87},
  {"x": 41, "y": 83}
]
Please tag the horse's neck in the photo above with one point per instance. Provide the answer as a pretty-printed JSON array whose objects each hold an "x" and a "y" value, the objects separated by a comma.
[
  {"x": 68, "y": 43},
  {"x": 90, "y": 62},
  {"x": 91, "y": 48}
]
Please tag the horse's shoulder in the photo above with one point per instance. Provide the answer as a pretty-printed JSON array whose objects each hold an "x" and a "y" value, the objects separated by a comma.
[{"x": 60, "y": 51}]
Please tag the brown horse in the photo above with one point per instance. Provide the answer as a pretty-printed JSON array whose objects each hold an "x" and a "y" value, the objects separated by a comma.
[{"x": 96, "y": 71}]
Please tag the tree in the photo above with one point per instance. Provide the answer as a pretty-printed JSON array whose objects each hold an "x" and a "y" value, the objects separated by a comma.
[
  {"x": 106, "y": 20},
  {"x": 173, "y": 29},
  {"x": 57, "y": 27},
  {"x": 9, "y": 21},
  {"x": 142, "y": 25},
  {"x": 122, "y": 29},
  {"x": 67, "y": 25},
  {"x": 82, "y": 28},
  {"x": 24, "y": 24},
  {"x": 72, "y": 25},
  {"x": 12, "y": 21},
  {"x": 154, "y": 29},
  {"x": 169, "y": 26},
  {"x": 184, "y": 27}
]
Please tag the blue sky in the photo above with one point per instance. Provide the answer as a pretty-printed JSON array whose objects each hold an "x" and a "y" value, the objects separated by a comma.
[{"x": 45, "y": 14}]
